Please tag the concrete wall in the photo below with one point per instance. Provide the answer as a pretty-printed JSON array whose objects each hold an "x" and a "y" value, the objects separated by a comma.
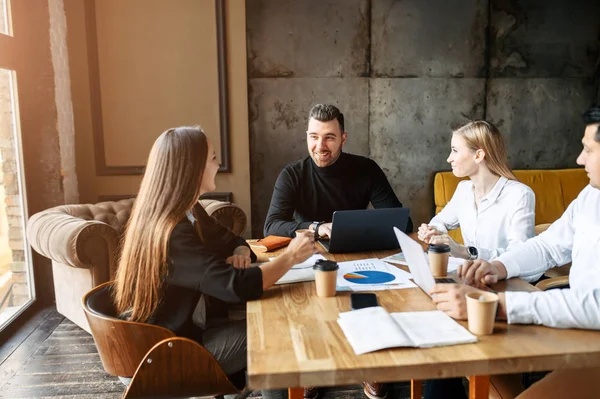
[{"x": 406, "y": 72}]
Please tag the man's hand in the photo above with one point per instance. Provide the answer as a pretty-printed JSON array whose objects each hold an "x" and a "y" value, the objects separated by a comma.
[
  {"x": 240, "y": 258},
  {"x": 426, "y": 232},
  {"x": 325, "y": 230},
  {"x": 450, "y": 298},
  {"x": 480, "y": 272}
]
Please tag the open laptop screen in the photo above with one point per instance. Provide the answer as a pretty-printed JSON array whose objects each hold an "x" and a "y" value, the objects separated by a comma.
[{"x": 366, "y": 229}]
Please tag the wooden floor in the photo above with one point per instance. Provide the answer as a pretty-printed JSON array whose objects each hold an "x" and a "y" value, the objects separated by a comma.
[
  {"x": 53, "y": 358},
  {"x": 58, "y": 359}
]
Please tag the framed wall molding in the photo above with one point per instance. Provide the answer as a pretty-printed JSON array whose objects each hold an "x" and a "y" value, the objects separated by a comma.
[
  {"x": 9, "y": 52},
  {"x": 219, "y": 196},
  {"x": 102, "y": 169}
]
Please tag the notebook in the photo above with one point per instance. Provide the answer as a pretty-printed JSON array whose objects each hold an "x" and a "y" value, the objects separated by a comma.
[
  {"x": 365, "y": 230},
  {"x": 371, "y": 329},
  {"x": 269, "y": 243}
]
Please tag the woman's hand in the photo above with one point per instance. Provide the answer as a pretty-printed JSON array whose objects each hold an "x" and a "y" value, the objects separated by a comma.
[
  {"x": 297, "y": 251},
  {"x": 450, "y": 298},
  {"x": 241, "y": 258},
  {"x": 426, "y": 232},
  {"x": 457, "y": 250},
  {"x": 302, "y": 247}
]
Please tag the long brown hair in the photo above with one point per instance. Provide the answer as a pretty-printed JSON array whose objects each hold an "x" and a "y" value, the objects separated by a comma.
[
  {"x": 170, "y": 187},
  {"x": 485, "y": 136}
]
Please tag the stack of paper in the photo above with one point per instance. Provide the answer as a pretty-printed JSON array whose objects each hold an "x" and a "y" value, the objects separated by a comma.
[
  {"x": 372, "y": 329},
  {"x": 371, "y": 275},
  {"x": 300, "y": 272},
  {"x": 361, "y": 275}
]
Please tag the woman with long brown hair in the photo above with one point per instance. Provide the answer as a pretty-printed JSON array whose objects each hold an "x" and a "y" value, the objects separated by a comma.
[
  {"x": 493, "y": 209},
  {"x": 175, "y": 258}
]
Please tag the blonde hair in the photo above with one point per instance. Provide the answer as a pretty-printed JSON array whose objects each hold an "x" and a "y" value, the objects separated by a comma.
[
  {"x": 170, "y": 187},
  {"x": 482, "y": 135}
]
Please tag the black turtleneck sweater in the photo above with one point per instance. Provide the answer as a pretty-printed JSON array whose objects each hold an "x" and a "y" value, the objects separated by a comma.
[{"x": 305, "y": 193}]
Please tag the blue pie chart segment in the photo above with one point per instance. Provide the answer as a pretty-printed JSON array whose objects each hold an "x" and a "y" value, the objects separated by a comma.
[{"x": 369, "y": 277}]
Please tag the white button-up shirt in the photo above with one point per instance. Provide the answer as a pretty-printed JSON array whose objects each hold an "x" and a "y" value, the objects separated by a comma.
[
  {"x": 504, "y": 218},
  {"x": 574, "y": 237}
]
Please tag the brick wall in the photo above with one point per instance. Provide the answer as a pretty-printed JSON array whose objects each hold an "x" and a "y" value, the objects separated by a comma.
[{"x": 12, "y": 255}]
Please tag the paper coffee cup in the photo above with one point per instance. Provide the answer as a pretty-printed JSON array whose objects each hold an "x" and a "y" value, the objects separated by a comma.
[
  {"x": 481, "y": 312},
  {"x": 325, "y": 277},
  {"x": 438, "y": 259}
]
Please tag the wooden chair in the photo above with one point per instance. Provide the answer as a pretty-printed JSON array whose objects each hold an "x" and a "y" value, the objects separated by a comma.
[{"x": 162, "y": 365}]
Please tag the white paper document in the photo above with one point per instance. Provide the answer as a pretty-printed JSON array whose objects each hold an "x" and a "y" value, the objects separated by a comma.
[
  {"x": 301, "y": 271},
  {"x": 371, "y": 275},
  {"x": 371, "y": 329},
  {"x": 399, "y": 259}
]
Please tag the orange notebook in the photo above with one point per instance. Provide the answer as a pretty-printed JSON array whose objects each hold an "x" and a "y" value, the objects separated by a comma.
[{"x": 269, "y": 243}]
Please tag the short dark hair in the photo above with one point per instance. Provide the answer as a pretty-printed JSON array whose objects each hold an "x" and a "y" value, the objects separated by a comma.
[
  {"x": 592, "y": 117},
  {"x": 326, "y": 113}
]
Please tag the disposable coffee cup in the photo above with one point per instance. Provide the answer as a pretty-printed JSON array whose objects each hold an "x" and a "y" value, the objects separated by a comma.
[
  {"x": 481, "y": 312},
  {"x": 438, "y": 259},
  {"x": 325, "y": 277}
]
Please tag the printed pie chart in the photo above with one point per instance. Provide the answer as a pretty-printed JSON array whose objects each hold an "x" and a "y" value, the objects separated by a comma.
[{"x": 369, "y": 277}]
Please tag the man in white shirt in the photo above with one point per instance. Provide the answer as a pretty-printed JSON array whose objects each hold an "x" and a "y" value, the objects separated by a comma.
[{"x": 574, "y": 237}]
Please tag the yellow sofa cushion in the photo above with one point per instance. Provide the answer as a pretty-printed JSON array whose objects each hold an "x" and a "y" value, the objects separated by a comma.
[
  {"x": 554, "y": 190},
  {"x": 549, "y": 204},
  {"x": 572, "y": 182}
]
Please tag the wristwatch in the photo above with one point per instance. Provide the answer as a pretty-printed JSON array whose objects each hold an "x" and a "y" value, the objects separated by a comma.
[
  {"x": 473, "y": 253},
  {"x": 315, "y": 226}
]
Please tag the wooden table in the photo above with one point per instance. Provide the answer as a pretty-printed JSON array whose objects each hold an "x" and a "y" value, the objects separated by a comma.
[{"x": 295, "y": 341}]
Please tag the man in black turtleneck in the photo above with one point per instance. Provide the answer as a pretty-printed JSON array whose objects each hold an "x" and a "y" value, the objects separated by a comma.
[{"x": 307, "y": 192}]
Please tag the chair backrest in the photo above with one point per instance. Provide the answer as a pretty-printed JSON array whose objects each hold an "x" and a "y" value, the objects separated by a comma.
[
  {"x": 113, "y": 213},
  {"x": 554, "y": 190},
  {"x": 122, "y": 345}
]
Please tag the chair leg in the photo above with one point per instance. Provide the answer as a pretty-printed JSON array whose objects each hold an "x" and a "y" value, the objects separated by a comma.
[
  {"x": 415, "y": 389},
  {"x": 479, "y": 386},
  {"x": 295, "y": 393}
]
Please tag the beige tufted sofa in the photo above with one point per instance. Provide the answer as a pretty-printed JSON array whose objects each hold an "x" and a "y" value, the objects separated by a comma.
[{"x": 82, "y": 241}]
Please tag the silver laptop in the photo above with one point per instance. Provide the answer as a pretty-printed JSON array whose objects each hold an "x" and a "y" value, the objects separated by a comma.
[{"x": 417, "y": 262}]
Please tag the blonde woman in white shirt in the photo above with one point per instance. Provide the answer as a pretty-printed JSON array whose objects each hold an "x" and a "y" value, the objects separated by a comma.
[
  {"x": 574, "y": 237},
  {"x": 494, "y": 210}
]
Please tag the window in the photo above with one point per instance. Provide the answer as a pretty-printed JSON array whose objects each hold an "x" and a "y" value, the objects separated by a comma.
[
  {"x": 5, "y": 21},
  {"x": 16, "y": 272}
]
